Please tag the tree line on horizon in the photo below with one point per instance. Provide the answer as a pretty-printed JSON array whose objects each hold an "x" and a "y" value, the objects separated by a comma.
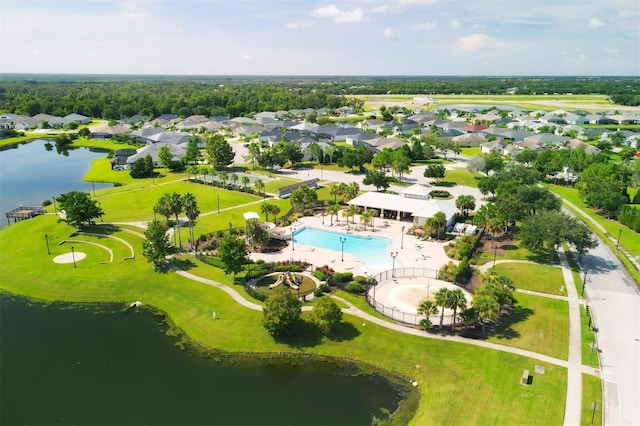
[{"x": 118, "y": 97}]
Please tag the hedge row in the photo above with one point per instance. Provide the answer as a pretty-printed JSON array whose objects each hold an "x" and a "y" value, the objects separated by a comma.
[{"x": 630, "y": 216}]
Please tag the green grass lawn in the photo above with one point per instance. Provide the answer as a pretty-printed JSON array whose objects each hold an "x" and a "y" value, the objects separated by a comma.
[
  {"x": 485, "y": 382},
  {"x": 591, "y": 392},
  {"x": 361, "y": 303},
  {"x": 538, "y": 324},
  {"x": 121, "y": 207},
  {"x": 629, "y": 239},
  {"x": 461, "y": 176},
  {"x": 471, "y": 151},
  {"x": 589, "y": 357},
  {"x": 542, "y": 278},
  {"x": 516, "y": 252}
]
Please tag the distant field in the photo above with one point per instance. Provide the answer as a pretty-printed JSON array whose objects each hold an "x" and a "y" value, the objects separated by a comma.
[{"x": 531, "y": 102}]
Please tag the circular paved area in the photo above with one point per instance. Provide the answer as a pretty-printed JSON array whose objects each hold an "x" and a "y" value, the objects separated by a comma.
[
  {"x": 405, "y": 294},
  {"x": 68, "y": 257}
]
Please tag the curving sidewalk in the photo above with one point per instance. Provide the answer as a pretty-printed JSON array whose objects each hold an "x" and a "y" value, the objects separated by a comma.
[{"x": 355, "y": 311}]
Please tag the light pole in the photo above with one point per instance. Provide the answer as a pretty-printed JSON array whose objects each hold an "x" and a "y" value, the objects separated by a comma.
[
  {"x": 100, "y": 206},
  {"x": 55, "y": 208},
  {"x": 584, "y": 283},
  {"x": 402, "y": 238},
  {"x": 293, "y": 241},
  {"x": 393, "y": 268},
  {"x": 618, "y": 241},
  {"x": 218, "y": 202},
  {"x": 46, "y": 238},
  {"x": 73, "y": 256},
  {"x": 342, "y": 241},
  {"x": 93, "y": 184}
]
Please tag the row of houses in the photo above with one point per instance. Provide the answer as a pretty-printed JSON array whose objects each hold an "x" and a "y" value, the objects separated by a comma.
[{"x": 39, "y": 121}]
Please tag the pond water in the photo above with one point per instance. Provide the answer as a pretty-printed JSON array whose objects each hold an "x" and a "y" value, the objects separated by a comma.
[
  {"x": 113, "y": 367},
  {"x": 30, "y": 174},
  {"x": 82, "y": 366}
]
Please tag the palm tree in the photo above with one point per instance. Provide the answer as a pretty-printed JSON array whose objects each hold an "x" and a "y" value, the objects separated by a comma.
[
  {"x": 427, "y": 308},
  {"x": 351, "y": 211},
  {"x": 442, "y": 300},
  {"x": 234, "y": 179},
  {"x": 245, "y": 181},
  {"x": 456, "y": 301},
  {"x": 192, "y": 212},
  {"x": 275, "y": 211},
  {"x": 192, "y": 170},
  {"x": 364, "y": 218},
  {"x": 223, "y": 176},
  {"x": 486, "y": 307},
  {"x": 335, "y": 191},
  {"x": 343, "y": 190},
  {"x": 205, "y": 172},
  {"x": 333, "y": 209},
  {"x": 175, "y": 207},
  {"x": 438, "y": 223},
  {"x": 266, "y": 209},
  {"x": 259, "y": 186}
]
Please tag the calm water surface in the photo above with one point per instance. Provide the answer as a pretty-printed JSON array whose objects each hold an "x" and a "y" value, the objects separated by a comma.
[
  {"x": 29, "y": 174},
  {"x": 78, "y": 367}
]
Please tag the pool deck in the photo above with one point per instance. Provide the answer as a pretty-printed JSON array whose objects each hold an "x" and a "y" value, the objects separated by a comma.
[{"x": 414, "y": 252}]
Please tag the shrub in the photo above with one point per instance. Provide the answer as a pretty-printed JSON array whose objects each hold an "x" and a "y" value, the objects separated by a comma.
[
  {"x": 355, "y": 287},
  {"x": 287, "y": 268},
  {"x": 448, "y": 272},
  {"x": 319, "y": 274},
  {"x": 343, "y": 277},
  {"x": 440, "y": 193},
  {"x": 362, "y": 280}
]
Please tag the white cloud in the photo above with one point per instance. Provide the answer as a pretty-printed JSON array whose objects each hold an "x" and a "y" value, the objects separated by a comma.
[
  {"x": 454, "y": 24},
  {"x": 480, "y": 41},
  {"x": 388, "y": 32},
  {"x": 595, "y": 23},
  {"x": 426, "y": 26},
  {"x": 379, "y": 9},
  {"x": 298, "y": 25},
  {"x": 339, "y": 16},
  {"x": 416, "y": 2},
  {"x": 246, "y": 57},
  {"x": 611, "y": 50}
]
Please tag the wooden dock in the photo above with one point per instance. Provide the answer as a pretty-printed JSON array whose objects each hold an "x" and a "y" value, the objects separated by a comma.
[{"x": 22, "y": 212}]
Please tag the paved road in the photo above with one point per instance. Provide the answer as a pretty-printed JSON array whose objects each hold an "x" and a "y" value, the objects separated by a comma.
[{"x": 615, "y": 304}]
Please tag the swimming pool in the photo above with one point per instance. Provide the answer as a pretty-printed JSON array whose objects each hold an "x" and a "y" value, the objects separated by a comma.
[{"x": 372, "y": 251}]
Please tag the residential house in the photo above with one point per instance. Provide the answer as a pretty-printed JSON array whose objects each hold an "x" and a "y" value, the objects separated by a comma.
[{"x": 153, "y": 150}]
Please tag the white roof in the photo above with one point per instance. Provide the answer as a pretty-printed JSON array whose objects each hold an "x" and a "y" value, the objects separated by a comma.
[
  {"x": 417, "y": 189},
  {"x": 250, "y": 215},
  {"x": 434, "y": 206},
  {"x": 389, "y": 202}
]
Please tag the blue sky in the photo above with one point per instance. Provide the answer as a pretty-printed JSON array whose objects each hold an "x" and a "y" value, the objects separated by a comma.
[{"x": 304, "y": 37}]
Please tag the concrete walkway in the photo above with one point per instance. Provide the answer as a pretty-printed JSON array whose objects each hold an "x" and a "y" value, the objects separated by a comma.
[
  {"x": 353, "y": 310},
  {"x": 611, "y": 238},
  {"x": 573, "y": 403}
]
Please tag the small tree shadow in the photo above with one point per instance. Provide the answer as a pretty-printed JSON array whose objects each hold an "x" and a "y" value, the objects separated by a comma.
[
  {"x": 306, "y": 335},
  {"x": 343, "y": 332},
  {"x": 544, "y": 257},
  {"x": 502, "y": 328},
  {"x": 184, "y": 264}
]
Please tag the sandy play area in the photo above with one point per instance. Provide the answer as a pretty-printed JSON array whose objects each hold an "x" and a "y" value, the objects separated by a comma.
[{"x": 68, "y": 257}]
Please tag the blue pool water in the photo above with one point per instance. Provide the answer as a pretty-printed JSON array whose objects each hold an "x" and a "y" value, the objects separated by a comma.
[{"x": 372, "y": 251}]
